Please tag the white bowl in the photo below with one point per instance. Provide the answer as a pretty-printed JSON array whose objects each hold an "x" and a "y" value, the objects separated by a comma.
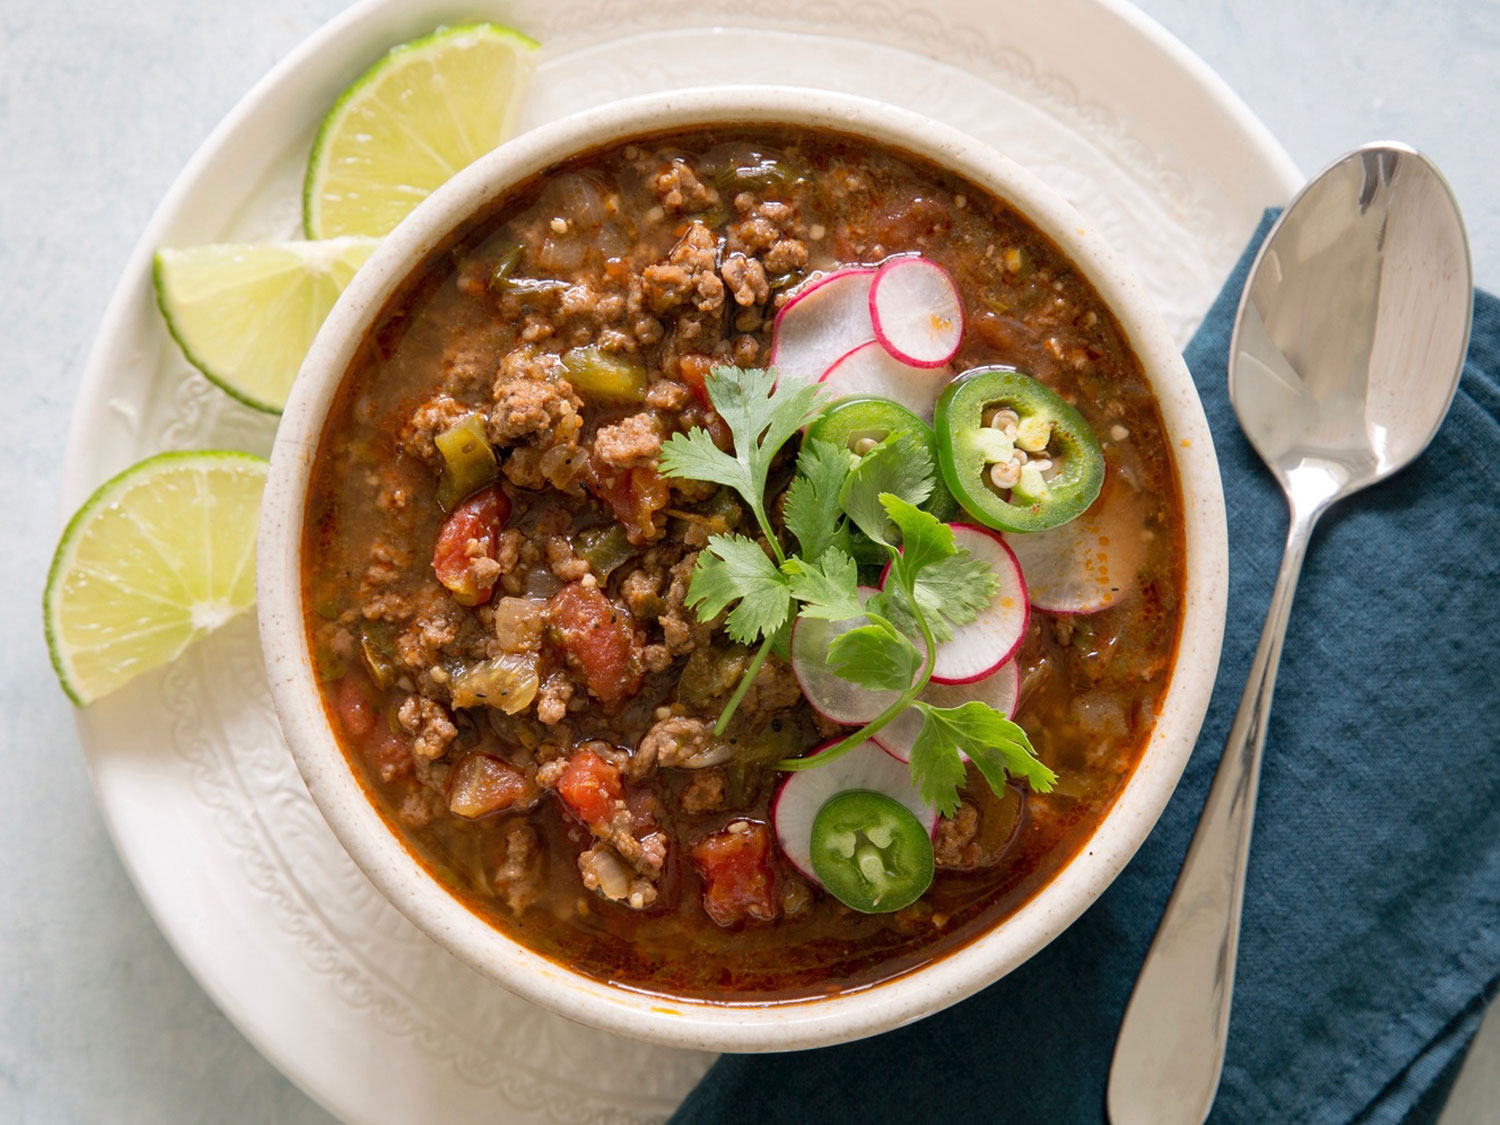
[{"x": 677, "y": 1021}]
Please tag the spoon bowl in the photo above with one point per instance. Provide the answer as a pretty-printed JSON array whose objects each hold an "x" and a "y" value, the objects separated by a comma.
[
  {"x": 1346, "y": 354},
  {"x": 1353, "y": 328}
]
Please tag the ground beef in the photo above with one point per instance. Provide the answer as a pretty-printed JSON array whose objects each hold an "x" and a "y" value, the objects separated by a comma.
[
  {"x": 680, "y": 190},
  {"x": 561, "y": 560},
  {"x": 641, "y": 589},
  {"x": 419, "y": 644},
  {"x": 775, "y": 689},
  {"x": 954, "y": 843},
  {"x": 680, "y": 627},
  {"x": 671, "y": 742},
  {"x": 704, "y": 793},
  {"x": 469, "y": 365},
  {"x": 689, "y": 276},
  {"x": 518, "y": 876},
  {"x": 553, "y": 697},
  {"x": 527, "y": 406},
  {"x": 426, "y": 422},
  {"x": 420, "y": 806},
  {"x": 428, "y": 720},
  {"x": 665, "y": 395},
  {"x": 635, "y": 441},
  {"x": 766, "y": 230},
  {"x": 388, "y": 563},
  {"x": 604, "y": 873},
  {"x": 746, "y": 278},
  {"x": 785, "y": 256}
]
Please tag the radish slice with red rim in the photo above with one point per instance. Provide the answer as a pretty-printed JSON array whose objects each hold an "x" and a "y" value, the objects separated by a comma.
[
  {"x": 1001, "y": 689},
  {"x": 804, "y": 793},
  {"x": 1090, "y": 562},
  {"x": 916, "y": 312},
  {"x": 824, "y": 319},
  {"x": 979, "y": 648},
  {"x": 870, "y": 369},
  {"x": 828, "y": 693}
]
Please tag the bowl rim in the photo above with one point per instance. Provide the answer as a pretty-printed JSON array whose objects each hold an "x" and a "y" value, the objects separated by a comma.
[{"x": 678, "y": 1021}]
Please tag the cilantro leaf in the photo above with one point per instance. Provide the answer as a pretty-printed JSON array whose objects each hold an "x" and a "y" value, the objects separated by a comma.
[
  {"x": 936, "y": 769},
  {"x": 875, "y": 656},
  {"x": 829, "y": 587},
  {"x": 694, "y": 456},
  {"x": 762, "y": 415},
  {"x": 954, "y": 591},
  {"x": 900, "y": 465},
  {"x": 924, "y": 538},
  {"x": 951, "y": 586},
  {"x": 995, "y": 744},
  {"x": 733, "y": 567},
  {"x": 812, "y": 501}
]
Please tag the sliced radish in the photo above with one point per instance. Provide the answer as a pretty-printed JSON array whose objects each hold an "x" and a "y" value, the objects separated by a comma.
[
  {"x": 804, "y": 793},
  {"x": 1001, "y": 689},
  {"x": 826, "y": 692},
  {"x": 1089, "y": 563},
  {"x": 871, "y": 370},
  {"x": 916, "y": 311},
  {"x": 977, "y": 649},
  {"x": 822, "y": 321}
]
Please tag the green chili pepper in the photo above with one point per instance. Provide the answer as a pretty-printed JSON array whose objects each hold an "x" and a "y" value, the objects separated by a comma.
[
  {"x": 510, "y": 257},
  {"x": 604, "y": 548},
  {"x": 861, "y": 423},
  {"x": 378, "y": 651},
  {"x": 601, "y": 376},
  {"x": 870, "y": 852},
  {"x": 1016, "y": 455},
  {"x": 327, "y": 665},
  {"x": 468, "y": 461}
]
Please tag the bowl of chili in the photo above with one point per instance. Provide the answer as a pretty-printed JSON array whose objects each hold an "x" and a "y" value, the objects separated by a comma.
[{"x": 442, "y": 775}]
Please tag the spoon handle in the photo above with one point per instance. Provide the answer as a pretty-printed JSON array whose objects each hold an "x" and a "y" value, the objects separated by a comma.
[{"x": 1170, "y": 1049}]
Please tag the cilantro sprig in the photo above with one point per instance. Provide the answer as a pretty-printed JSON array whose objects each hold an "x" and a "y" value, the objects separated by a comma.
[
  {"x": 762, "y": 415},
  {"x": 933, "y": 586}
]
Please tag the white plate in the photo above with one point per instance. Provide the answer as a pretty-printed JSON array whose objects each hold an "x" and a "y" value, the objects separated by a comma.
[{"x": 206, "y": 809}]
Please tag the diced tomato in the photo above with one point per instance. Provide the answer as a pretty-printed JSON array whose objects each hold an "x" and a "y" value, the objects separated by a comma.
[
  {"x": 693, "y": 370},
  {"x": 598, "y": 639},
  {"x": 919, "y": 219},
  {"x": 355, "y": 711},
  {"x": 388, "y": 753},
  {"x": 478, "y": 520},
  {"x": 590, "y": 786},
  {"x": 736, "y": 869},
  {"x": 482, "y": 785},
  {"x": 634, "y": 496}
]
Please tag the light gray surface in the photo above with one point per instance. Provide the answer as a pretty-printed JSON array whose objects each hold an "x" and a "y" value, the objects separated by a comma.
[{"x": 100, "y": 106}]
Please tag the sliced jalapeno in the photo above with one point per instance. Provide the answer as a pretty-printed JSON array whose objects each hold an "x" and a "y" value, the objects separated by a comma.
[
  {"x": 1016, "y": 455},
  {"x": 861, "y": 423},
  {"x": 870, "y": 852}
]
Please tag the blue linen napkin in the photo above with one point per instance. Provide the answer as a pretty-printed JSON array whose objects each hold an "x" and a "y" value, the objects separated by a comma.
[{"x": 1371, "y": 934}]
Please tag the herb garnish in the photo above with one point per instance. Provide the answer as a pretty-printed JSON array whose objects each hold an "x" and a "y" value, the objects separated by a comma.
[{"x": 932, "y": 586}]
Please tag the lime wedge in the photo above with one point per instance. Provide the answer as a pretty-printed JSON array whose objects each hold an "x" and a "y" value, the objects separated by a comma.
[
  {"x": 156, "y": 558},
  {"x": 426, "y": 110},
  {"x": 245, "y": 315}
]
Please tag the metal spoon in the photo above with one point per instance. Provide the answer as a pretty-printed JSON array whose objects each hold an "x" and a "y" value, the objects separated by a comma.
[{"x": 1347, "y": 350}]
